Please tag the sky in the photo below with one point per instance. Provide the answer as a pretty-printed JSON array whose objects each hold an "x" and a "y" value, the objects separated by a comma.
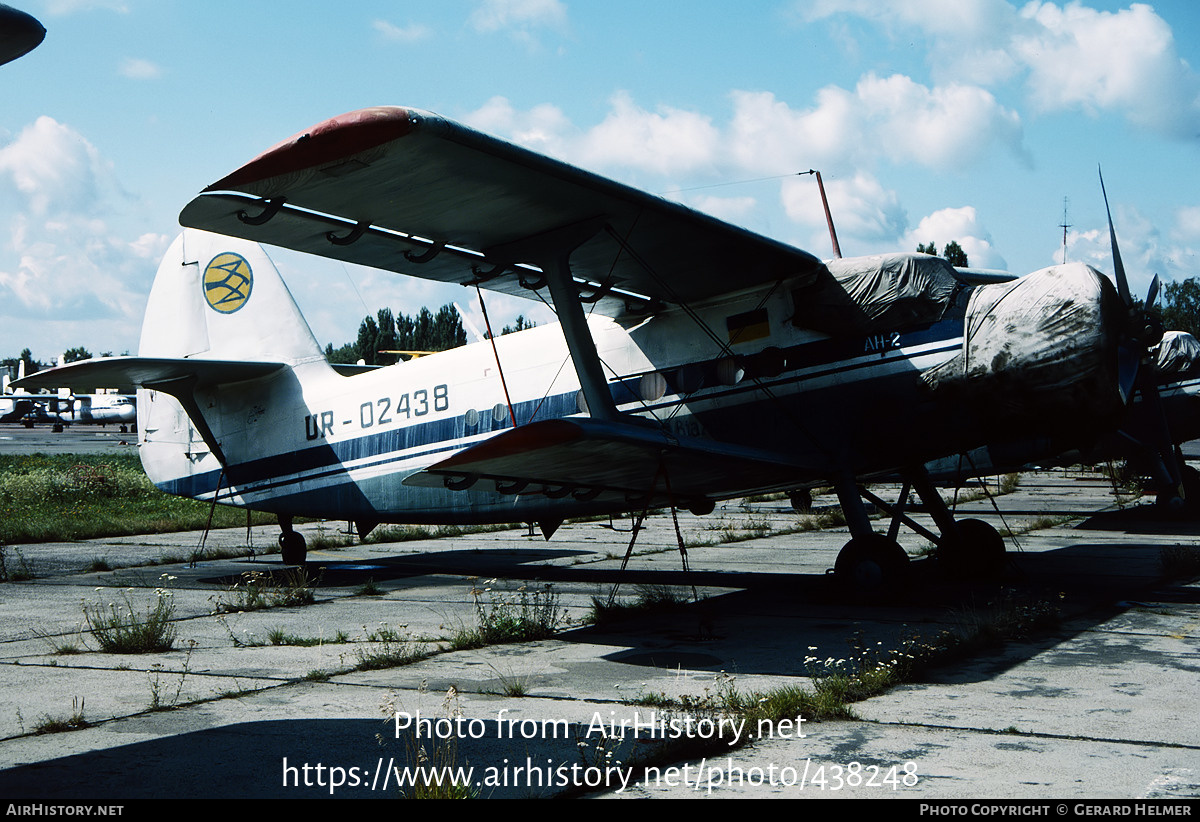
[{"x": 931, "y": 120}]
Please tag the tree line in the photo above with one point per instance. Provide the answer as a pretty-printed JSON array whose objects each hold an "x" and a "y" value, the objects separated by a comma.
[{"x": 382, "y": 335}]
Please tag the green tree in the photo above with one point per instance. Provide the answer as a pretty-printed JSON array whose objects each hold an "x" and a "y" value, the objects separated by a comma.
[
  {"x": 31, "y": 365},
  {"x": 399, "y": 332},
  {"x": 1181, "y": 306},
  {"x": 520, "y": 324},
  {"x": 364, "y": 347},
  {"x": 952, "y": 252},
  {"x": 76, "y": 354}
]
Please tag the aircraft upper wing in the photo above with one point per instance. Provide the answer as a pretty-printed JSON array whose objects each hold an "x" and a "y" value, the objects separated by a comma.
[
  {"x": 409, "y": 191},
  {"x": 19, "y": 33}
]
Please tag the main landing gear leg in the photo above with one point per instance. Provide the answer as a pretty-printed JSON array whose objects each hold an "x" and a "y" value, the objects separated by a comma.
[
  {"x": 291, "y": 543},
  {"x": 869, "y": 563},
  {"x": 966, "y": 548}
]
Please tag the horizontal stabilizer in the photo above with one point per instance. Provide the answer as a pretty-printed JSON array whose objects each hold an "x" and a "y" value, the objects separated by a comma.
[
  {"x": 584, "y": 457},
  {"x": 127, "y": 373}
]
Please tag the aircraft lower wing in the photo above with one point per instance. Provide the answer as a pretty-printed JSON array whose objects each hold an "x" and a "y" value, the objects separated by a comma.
[
  {"x": 586, "y": 457},
  {"x": 409, "y": 191}
]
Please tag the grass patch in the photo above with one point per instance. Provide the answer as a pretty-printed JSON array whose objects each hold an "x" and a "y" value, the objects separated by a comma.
[
  {"x": 60, "y": 724},
  {"x": 515, "y": 616},
  {"x": 389, "y": 648},
  {"x": 63, "y": 497},
  {"x": 278, "y": 636},
  {"x": 119, "y": 627},
  {"x": 369, "y": 588},
  {"x": 649, "y": 599},
  {"x": 256, "y": 590}
]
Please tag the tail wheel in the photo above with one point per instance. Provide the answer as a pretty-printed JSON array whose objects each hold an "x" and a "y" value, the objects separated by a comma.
[
  {"x": 293, "y": 548},
  {"x": 976, "y": 551}
]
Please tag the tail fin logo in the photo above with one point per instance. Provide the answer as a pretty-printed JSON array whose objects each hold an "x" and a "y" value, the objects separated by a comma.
[{"x": 227, "y": 282}]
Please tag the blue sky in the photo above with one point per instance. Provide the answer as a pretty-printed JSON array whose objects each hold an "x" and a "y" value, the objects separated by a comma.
[{"x": 966, "y": 120}]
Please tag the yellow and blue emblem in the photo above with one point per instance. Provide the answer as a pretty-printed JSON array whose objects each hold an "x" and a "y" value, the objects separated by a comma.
[{"x": 227, "y": 282}]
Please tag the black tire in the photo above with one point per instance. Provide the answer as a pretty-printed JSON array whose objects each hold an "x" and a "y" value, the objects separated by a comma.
[
  {"x": 976, "y": 552},
  {"x": 801, "y": 500},
  {"x": 293, "y": 548},
  {"x": 871, "y": 564}
]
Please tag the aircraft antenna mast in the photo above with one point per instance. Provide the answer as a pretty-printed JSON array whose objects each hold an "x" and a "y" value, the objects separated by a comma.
[
  {"x": 837, "y": 250},
  {"x": 1064, "y": 225}
]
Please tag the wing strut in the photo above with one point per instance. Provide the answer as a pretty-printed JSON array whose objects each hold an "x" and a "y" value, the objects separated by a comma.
[{"x": 552, "y": 253}]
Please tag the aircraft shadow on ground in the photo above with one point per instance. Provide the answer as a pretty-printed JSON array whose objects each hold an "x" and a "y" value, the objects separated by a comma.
[
  {"x": 247, "y": 760},
  {"x": 765, "y": 622}
]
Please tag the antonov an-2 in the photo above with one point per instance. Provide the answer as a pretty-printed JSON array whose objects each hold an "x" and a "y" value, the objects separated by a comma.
[{"x": 694, "y": 361}]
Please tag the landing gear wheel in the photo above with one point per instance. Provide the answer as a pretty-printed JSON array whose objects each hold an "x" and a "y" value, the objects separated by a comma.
[
  {"x": 293, "y": 548},
  {"x": 871, "y": 564},
  {"x": 976, "y": 552},
  {"x": 801, "y": 500}
]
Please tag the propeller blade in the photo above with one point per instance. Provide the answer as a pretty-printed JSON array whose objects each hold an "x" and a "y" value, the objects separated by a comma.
[
  {"x": 1152, "y": 294},
  {"x": 1118, "y": 266}
]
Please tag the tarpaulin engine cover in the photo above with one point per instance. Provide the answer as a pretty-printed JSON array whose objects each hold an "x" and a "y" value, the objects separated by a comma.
[
  {"x": 1042, "y": 345},
  {"x": 869, "y": 295},
  {"x": 1178, "y": 354}
]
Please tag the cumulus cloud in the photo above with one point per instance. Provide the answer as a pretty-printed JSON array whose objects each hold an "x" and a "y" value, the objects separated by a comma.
[
  {"x": 62, "y": 259},
  {"x": 963, "y": 227},
  {"x": 862, "y": 208},
  {"x": 664, "y": 141},
  {"x": 767, "y": 135},
  {"x": 50, "y": 163},
  {"x": 1124, "y": 61},
  {"x": 892, "y": 118},
  {"x": 941, "y": 127},
  {"x": 412, "y": 33},
  {"x": 544, "y": 128},
  {"x": 1070, "y": 57}
]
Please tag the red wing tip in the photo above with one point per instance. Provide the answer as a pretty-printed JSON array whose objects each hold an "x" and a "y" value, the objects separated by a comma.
[{"x": 324, "y": 143}]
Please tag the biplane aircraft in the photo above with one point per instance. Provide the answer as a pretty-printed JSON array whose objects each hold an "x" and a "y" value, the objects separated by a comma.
[{"x": 694, "y": 361}]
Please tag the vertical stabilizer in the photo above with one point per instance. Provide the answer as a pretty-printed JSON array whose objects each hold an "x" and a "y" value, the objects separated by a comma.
[{"x": 215, "y": 297}]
